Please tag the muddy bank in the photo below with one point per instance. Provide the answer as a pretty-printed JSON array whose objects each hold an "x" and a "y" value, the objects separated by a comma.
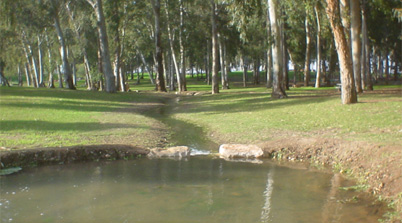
[
  {"x": 378, "y": 168},
  {"x": 61, "y": 155}
]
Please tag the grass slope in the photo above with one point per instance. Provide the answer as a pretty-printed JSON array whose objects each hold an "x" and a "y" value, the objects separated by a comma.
[{"x": 55, "y": 117}]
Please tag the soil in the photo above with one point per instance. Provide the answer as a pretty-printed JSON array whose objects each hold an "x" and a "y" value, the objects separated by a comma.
[
  {"x": 378, "y": 167},
  {"x": 61, "y": 155}
]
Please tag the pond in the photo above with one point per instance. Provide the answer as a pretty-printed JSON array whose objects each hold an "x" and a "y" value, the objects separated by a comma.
[{"x": 197, "y": 189}]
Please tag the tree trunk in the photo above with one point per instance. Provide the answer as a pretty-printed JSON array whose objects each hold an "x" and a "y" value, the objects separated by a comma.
[
  {"x": 50, "y": 58},
  {"x": 51, "y": 68},
  {"x": 27, "y": 74},
  {"x": 355, "y": 30},
  {"x": 148, "y": 68},
  {"x": 27, "y": 65},
  {"x": 3, "y": 79},
  {"x": 277, "y": 87},
  {"x": 386, "y": 68},
  {"x": 324, "y": 73},
  {"x": 380, "y": 65},
  {"x": 395, "y": 70},
  {"x": 296, "y": 67},
  {"x": 119, "y": 79},
  {"x": 285, "y": 59},
  {"x": 308, "y": 50},
  {"x": 35, "y": 73},
  {"x": 138, "y": 76},
  {"x": 104, "y": 46},
  {"x": 171, "y": 44},
  {"x": 87, "y": 68},
  {"x": 269, "y": 52},
  {"x": 269, "y": 67},
  {"x": 73, "y": 67},
  {"x": 286, "y": 68},
  {"x": 88, "y": 76},
  {"x": 181, "y": 42},
  {"x": 318, "y": 62},
  {"x": 40, "y": 63},
  {"x": 207, "y": 65},
  {"x": 333, "y": 59},
  {"x": 166, "y": 68},
  {"x": 20, "y": 83},
  {"x": 60, "y": 76},
  {"x": 349, "y": 94},
  {"x": 63, "y": 54},
  {"x": 227, "y": 68},
  {"x": 171, "y": 73},
  {"x": 366, "y": 73},
  {"x": 256, "y": 71},
  {"x": 245, "y": 71},
  {"x": 215, "y": 57},
  {"x": 160, "y": 82},
  {"x": 223, "y": 63}
]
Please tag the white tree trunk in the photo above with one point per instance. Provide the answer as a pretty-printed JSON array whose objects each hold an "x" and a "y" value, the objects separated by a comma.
[
  {"x": 179, "y": 85},
  {"x": 182, "y": 56},
  {"x": 277, "y": 66},
  {"x": 318, "y": 62},
  {"x": 63, "y": 54},
  {"x": 40, "y": 63},
  {"x": 215, "y": 57},
  {"x": 308, "y": 50},
  {"x": 104, "y": 46}
]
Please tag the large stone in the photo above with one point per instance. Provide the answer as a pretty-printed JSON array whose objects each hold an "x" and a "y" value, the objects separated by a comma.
[
  {"x": 240, "y": 151},
  {"x": 177, "y": 152}
]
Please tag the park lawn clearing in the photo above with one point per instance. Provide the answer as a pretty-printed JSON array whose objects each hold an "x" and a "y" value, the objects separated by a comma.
[
  {"x": 253, "y": 117},
  {"x": 32, "y": 118}
]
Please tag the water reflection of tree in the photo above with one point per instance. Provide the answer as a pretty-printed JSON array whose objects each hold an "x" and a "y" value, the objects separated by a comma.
[
  {"x": 331, "y": 208},
  {"x": 266, "y": 209}
]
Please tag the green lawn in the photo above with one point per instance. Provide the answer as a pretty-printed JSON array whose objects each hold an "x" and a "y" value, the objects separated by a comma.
[
  {"x": 252, "y": 116},
  {"x": 56, "y": 117}
]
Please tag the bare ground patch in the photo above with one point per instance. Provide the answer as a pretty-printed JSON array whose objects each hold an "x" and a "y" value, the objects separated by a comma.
[{"x": 377, "y": 166}]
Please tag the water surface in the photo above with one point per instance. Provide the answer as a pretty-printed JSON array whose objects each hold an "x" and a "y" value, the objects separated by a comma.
[{"x": 199, "y": 189}]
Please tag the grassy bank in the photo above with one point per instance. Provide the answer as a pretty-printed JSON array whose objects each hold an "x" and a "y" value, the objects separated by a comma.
[
  {"x": 32, "y": 118},
  {"x": 244, "y": 117}
]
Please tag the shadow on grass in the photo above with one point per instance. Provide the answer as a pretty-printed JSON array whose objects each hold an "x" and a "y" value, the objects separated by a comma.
[
  {"x": 76, "y": 94},
  {"x": 232, "y": 103},
  {"x": 60, "y": 127}
]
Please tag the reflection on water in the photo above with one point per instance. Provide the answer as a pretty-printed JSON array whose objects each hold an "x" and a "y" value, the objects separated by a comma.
[{"x": 163, "y": 190}]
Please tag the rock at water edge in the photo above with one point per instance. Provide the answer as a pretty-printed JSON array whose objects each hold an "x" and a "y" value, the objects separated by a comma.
[
  {"x": 240, "y": 151},
  {"x": 177, "y": 151}
]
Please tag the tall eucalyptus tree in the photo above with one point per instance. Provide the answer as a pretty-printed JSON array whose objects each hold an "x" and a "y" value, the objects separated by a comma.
[
  {"x": 67, "y": 72},
  {"x": 356, "y": 30},
  {"x": 278, "y": 90},
  {"x": 348, "y": 89},
  {"x": 160, "y": 81},
  {"x": 215, "y": 48},
  {"x": 104, "y": 45}
]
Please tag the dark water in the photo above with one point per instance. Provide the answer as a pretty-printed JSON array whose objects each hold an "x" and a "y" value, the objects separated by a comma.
[{"x": 199, "y": 189}]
